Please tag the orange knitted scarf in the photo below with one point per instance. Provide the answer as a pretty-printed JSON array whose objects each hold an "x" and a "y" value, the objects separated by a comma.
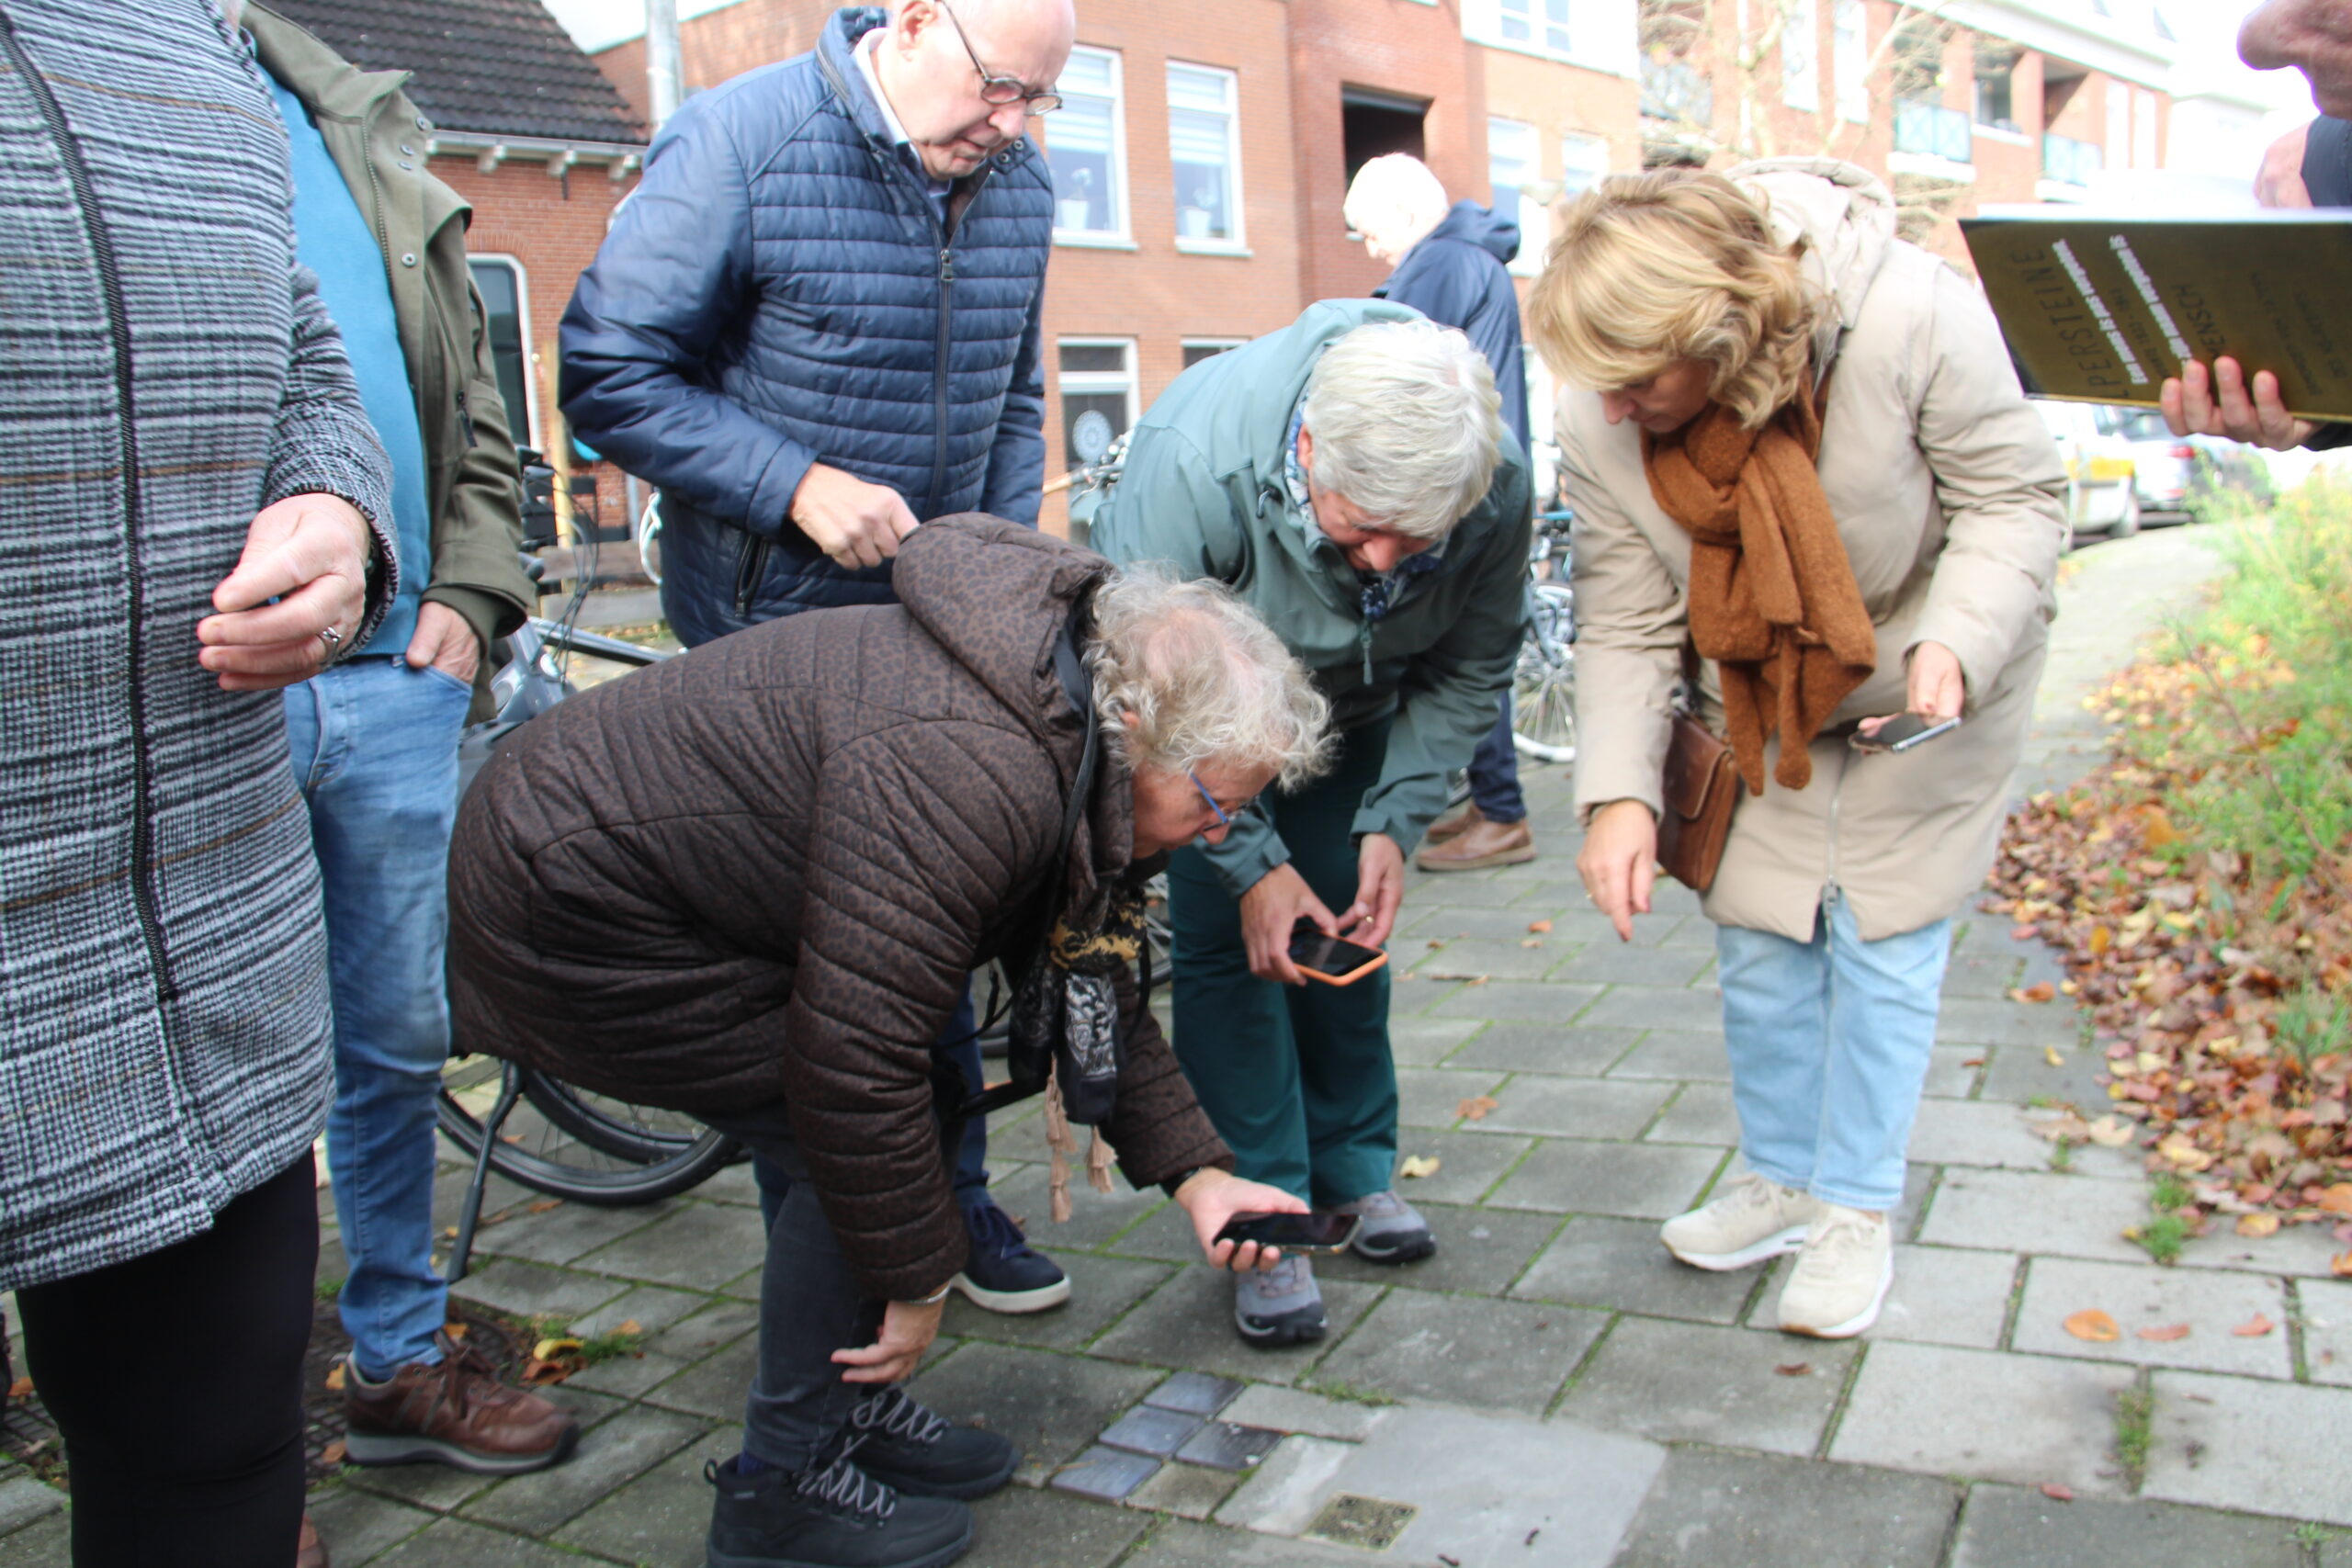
[{"x": 1773, "y": 600}]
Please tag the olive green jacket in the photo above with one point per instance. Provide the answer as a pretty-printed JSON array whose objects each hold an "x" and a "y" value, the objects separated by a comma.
[
  {"x": 1203, "y": 491},
  {"x": 377, "y": 138}
]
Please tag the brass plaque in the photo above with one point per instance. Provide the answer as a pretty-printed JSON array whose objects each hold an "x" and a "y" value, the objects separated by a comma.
[{"x": 1370, "y": 1523}]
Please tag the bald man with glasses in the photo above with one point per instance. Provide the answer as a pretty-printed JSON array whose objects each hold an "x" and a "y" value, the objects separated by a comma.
[{"x": 814, "y": 325}]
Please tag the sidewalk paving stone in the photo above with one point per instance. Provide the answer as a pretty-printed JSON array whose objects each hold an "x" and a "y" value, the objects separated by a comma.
[
  {"x": 1981, "y": 1020},
  {"x": 1195, "y": 1393},
  {"x": 1701, "y": 1113},
  {"x": 435, "y": 1487},
  {"x": 1575, "y": 1108},
  {"x": 651, "y": 1307},
  {"x": 45, "y": 1544},
  {"x": 1952, "y": 1071},
  {"x": 698, "y": 1334},
  {"x": 358, "y": 1526},
  {"x": 1984, "y": 1415},
  {"x": 1619, "y": 1264},
  {"x": 1612, "y": 962},
  {"x": 2266, "y": 1448},
  {"x": 1282, "y": 1494},
  {"x": 1682, "y": 1008},
  {"x": 1946, "y": 1295},
  {"x": 1188, "y": 1322},
  {"x": 1639, "y": 1180},
  {"x": 1426, "y": 1042},
  {"x": 2010, "y": 1526},
  {"x": 713, "y": 1387},
  {"x": 1478, "y": 1250},
  {"x": 565, "y": 1231},
  {"x": 1984, "y": 1133},
  {"x": 533, "y": 1289},
  {"x": 1694, "y": 1052},
  {"x": 1469, "y": 1164},
  {"x": 1466, "y": 1350},
  {"x": 24, "y": 1500},
  {"x": 1447, "y": 923},
  {"x": 629, "y": 1377},
  {"x": 1544, "y": 1048},
  {"x": 613, "y": 1454},
  {"x": 1100, "y": 1289},
  {"x": 2018, "y": 1073},
  {"x": 1187, "y": 1491},
  {"x": 2211, "y": 1303},
  {"x": 702, "y": 1246},
  {"x": 1147, "y": 1429},
  {"x": 1289, "y": 1410},
  {"x": 1432, "y": 1097},
  {"x": 1693, "y": 1383},
  {"x": 1977, "y": 972},
  {"x": 2004, "y": 1211},
  {"x": 1182, "y": 1544},
  {"x": 1508, "y": 959},
  {"x": 1104, "y": 1474},
  {"x": 1050, "y": 1406},
  {"x": 662, "y": 1519},
  {"x": 2307, "y": 1251},
  {"x": 2327, "y": 1330},
  {"x": 1533, "y": 1001},
  {"x": 1095, "y": 1217},
  {"x": 1018, "y": 1528},
  {"x": 1725, "y": 1510},
  {"x": 452, "y": 1543}
]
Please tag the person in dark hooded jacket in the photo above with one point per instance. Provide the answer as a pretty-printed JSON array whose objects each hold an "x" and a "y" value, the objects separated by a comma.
[
  {"x": 748, "y": 884},
  {"x": 1450, "y": 265}
]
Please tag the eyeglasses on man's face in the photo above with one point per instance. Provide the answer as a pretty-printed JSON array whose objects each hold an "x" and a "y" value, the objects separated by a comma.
[
  {"x": 996, "y": 89},
  {"x": 1224, "y": 817}
]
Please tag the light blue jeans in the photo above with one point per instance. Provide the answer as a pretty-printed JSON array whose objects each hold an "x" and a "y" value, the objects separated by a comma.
[
  {"x": 375, "y": 751},
  {"x": 1829, "y": 1043}
]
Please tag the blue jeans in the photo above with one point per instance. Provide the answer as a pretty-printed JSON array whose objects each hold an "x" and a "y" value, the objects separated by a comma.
[
  {"x": 1828, "y": 1041},
  {"x": 960, "y": 1043},
  {"x": 1494, "y": 773},
  {"x": 375, "y": 751}
]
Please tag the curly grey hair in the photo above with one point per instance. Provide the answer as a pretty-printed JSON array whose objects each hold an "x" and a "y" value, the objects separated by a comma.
[
  {"x": 1204, "y": 678},
  {"x": 1407, "y": 425}
]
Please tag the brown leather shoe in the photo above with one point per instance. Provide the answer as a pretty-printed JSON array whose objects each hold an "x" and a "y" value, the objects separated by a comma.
[
  {"x": 1482, "y": 843},
  {"x": 1452, "y": 824},
  {"x": 456, "y": 1414},
  {"x": 310, "y": 1551}
]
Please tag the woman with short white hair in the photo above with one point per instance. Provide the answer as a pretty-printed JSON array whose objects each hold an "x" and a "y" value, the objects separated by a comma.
[{"x": 1350, "y": 477}]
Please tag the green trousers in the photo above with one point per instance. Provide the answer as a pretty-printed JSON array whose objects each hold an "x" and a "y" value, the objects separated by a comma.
[{"x": 1297, "y": 1078}]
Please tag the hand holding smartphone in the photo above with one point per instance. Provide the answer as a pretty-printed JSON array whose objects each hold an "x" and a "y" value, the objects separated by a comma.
[
  {"x": 1903, "y": 732},
  {"x": 1316, "y": 1231},
  {"x": 1332, "y": 960}
]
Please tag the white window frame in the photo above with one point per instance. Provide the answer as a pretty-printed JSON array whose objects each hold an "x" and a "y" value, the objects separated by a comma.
[
  {"x": 1239, "y": 245},
  {"x": 1800, "y": 55},
  {"x": 1603, "y": 35},
  {"x": 1121, "y": 237},
  {"x": 2118, "y": 152},
  {"x": 1581, "y": 152},
  {"x": 526, "y": 431},
  {"x": 1533, "y": 219},
  {"x": 1094, "y": 383},
  {"x": 1850, "y": 59},
  {"x": 1222, "y": 345}
]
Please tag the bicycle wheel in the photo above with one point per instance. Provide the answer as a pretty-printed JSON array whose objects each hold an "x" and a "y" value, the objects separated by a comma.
[
  {"x": 551, "y": 1151},
  {"x": 1544, "y": 689}
]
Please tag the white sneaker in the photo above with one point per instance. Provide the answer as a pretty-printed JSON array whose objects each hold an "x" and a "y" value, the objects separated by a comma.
[
  {"x": 1751, "y": 1220},
  {"x": 1842, "y": 1275}
]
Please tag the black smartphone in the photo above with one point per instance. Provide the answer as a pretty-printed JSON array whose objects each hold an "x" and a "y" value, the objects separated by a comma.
[
  {"x": 1330, "y": 959},
  {"x": 1903, "y": 732},
  {"x": 1318, "y": 1231}
]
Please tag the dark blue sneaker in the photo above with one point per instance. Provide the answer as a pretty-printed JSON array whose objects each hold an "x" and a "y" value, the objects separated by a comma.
[{"x": 1002, "y": 1274}]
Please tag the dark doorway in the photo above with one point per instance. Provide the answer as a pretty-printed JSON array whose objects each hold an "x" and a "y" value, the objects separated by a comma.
[{"x": 1374, "y": 124}]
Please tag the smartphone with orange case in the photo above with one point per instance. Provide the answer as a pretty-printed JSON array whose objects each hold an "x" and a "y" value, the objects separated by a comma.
[{"x": 1330, "y": 959}]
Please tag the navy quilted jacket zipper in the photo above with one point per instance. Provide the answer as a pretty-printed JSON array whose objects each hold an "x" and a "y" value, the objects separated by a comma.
[{"x": 86, "y": 196}]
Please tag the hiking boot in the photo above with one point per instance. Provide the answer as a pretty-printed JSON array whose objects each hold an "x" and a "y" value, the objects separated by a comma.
[
  {"x": 1480, "y": 844},
  {"x": 923, "y": 1454},
  {"x": 454, "y": 1412},
  {"x": 1282, "y": 1305},
  {"x": 1841, "y": 1276},
  {"x": 1002, "y": 1272},
  {"x": 310, "y": 1551},
  {"x": 1453, "y": 823},
  {"x": 1747, "y": 1222},
  {"x": 835, "y": 1516},
  {"x": 1391, "y": 1231}
]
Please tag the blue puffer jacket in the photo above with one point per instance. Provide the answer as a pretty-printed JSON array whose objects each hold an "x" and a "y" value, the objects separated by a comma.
[
  {"x": 778, "y": 291},
  {"x": 1455, "y": 276}
]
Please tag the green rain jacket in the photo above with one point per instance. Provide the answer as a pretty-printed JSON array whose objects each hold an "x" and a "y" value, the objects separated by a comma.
[{"x": 1203, "y": 491}]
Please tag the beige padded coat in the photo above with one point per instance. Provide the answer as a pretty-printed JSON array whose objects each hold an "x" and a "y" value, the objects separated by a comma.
[{"x": 1946, "y": 488}]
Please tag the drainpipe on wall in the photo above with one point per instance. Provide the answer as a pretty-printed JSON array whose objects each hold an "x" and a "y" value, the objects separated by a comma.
[{"x": 662, "y": 66}]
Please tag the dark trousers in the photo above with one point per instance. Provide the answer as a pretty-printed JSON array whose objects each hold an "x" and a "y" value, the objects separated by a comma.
[
  {"x": 1494, "y": 773},
  {"x": 810, "y": 1306},
  {"x": 961, "y": 1045},
  {"x": 177, "y": 1379},
  {"x": 1298, "y": 1079}
]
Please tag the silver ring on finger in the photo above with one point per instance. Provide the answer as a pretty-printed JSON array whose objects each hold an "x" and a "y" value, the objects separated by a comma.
[{"x": 333, "y": 638}]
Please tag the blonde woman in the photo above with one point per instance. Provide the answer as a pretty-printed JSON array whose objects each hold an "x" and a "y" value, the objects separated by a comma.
[{"x": 1800, "y": 445}]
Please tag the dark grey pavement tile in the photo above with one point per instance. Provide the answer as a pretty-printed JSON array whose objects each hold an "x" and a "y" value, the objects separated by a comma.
[
  {"x": 533, "y": 1290},
  {"x": 45, "y": 1544},
  {"x": 1692, "y": 1383},
  {"x": 1657, "y": 1007},
  {"x": 1621, "y": 1264},
  {"x": 1432, "y": 1097},
  {"x": 1147, "y": 1429},
  {"x": 1465, "y": 1351},
  {"x": 662, "y": 1519},
  {"x": 1188, "y": 1322},
  {"x": 1508, "y": 959},
  {"x": 1229, "y": 1445},
  {"x": 2022, "y": 1074},
  {"x": 701, "y": 1247},
  {"x": 2243, "y": 1443},
  {"x": 358, "y": 1527},
  {"x": 1104, "y": 1474},
  {"x": 1545, "y": 1048},
  {"x": 1468, "y": 1163},
  {"x": 1187, "y": 1491},
  {"x": 715, "y": 1387},
  {"x": 1095, "y": 1217},
  {"x": 651, "y": 1307},
  {"x": 1975, "y": 1021},
  {"x": 1195, "y": 1393},
  {"x": 24, "y": 1500},
  {"x": 1049, "y": 1407},
  {"x": 1701, "y": 1113},
  {"x": 1528, "y": 1001},
  {"x": 1612, "y": 963},
  {"x": 1023, "y": 1528},
  {"x": 1984, "y": 1415},
  {"x": 1714, "y": 1510},
  {"x": 2015, "y": 1527},
  {"x": 1638, "y": 1181},
  {"x": 1695, "y": 1052},
  {"x": 1180, "y": 1544},
  {"x": 452, "y": 1543},
  {"x": 1575, "y": 1108},
  {"x": 613, "y": 1454},
  {"x": 1100, "y": 1289},
  {"x": 1426, "y": 1042},
  {"x": 564, "y": 1232},
  {"x": 698, "y": 1334},
  {"x": 1478, "y": 1250}
]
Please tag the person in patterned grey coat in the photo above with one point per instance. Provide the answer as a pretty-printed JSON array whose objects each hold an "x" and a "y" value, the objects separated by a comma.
[{"x": 190, "y": 500}]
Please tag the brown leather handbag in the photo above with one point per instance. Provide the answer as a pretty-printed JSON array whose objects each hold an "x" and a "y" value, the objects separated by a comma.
[{"x": 1701, "y": 786}]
